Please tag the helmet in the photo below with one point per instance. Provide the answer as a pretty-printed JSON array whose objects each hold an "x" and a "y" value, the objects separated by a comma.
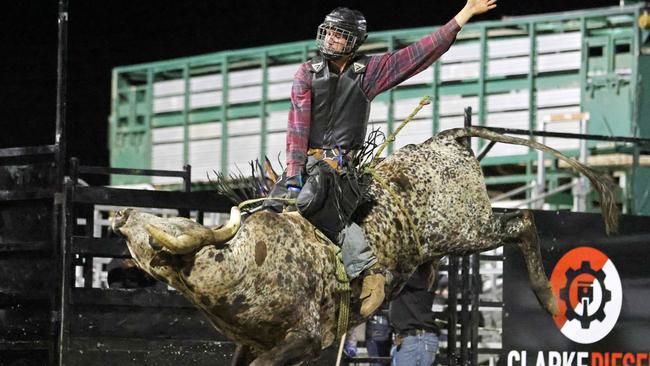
[{"x": 349, "y": 29}]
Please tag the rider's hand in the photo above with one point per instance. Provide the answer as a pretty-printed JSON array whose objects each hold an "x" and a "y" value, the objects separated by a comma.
[
  {"x": 294, "y": 185},
  {"x": 480, "y": 6},
  {"x": 474, "y": 7},
  {"x": 292, "y": 192}
]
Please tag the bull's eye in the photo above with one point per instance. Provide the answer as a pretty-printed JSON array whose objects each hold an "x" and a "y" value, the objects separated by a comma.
[{"x": 153, "y": 244}]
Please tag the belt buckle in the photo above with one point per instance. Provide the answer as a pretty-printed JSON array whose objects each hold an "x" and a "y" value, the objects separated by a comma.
[{"x": 329, "y": 154}]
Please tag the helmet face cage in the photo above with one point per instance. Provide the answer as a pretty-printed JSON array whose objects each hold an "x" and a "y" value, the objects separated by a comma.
[{"x": 344, "y": 43}]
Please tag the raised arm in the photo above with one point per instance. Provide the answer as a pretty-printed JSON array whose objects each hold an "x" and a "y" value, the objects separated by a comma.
[{"x": 388, "y": 70}]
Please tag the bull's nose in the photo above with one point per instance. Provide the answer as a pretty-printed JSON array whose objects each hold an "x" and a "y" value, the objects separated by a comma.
[{"x": 120, "y": 219}]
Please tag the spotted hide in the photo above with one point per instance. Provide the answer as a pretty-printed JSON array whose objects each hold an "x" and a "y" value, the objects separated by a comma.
[{"x": 272, "y": 287}]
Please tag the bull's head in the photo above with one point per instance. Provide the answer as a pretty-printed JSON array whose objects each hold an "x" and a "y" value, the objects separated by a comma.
[
  {"x": 143, "y": 250},
  {"x": 180, "y": 235}
]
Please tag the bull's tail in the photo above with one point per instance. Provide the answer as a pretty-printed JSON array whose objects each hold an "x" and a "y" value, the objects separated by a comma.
[{"x": 602, "y": 183}]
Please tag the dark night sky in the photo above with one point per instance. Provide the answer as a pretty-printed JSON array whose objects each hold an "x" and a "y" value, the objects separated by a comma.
[{"x": 108, "y": 33}]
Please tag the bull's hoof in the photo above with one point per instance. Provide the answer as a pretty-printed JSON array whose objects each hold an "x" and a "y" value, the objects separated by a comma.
[{"x": 552, "y": 306}]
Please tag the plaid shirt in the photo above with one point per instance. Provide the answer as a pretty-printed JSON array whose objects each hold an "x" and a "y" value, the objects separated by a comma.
[{"x": 382, "y": 73}]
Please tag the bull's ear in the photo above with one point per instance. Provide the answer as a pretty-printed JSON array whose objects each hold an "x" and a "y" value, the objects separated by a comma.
[{"x": 269, "y": 173}]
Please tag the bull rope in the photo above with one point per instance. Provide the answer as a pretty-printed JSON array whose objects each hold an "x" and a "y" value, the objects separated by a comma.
[
  {"x": 290, "y": 201},
  {"x": 371, "y": 169},
  {"x": 343, "y": 287},
  {"x": 424, "y": 101}
]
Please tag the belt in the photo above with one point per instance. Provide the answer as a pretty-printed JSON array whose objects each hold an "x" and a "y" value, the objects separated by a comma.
[
  {"x": 399, "y": 337},
  {"x": 333, "y": 157},
  {"x": 414, "y": 332}
]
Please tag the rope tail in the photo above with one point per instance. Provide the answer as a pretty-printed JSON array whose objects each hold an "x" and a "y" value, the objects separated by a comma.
[{"x": 601, "y": 182}]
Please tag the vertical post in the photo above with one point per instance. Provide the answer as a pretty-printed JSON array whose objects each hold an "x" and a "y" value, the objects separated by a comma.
[
  {"x": 186, "y": 113},
  {"x": 147, "y": 140},
  {"x": 635, "y": 85},
  {"x": 482, "y": 78},
  {"x": 584, "y": 57},
  {"x": 435, "y": 99},
  {"x": 224, "y": 116},
  {"x": 390, "y": 121},
  {"x": 467, "y": 122},
  {"x": 66, "y": 277},
  {"x": 540, "y": 185},
  {"x": 464, "y": 310},
  {"x": 452, "y": 302},
  {"x": 187, "y": 188},
  {"x": 532, "y": 73},
  {"x": 58, "y": 206},
  {"x": 532, "y": 116},
  {"x": 584, "y": 73},
  {"x": 74, "y": 170},
  {"x": 477, "y": 288},
  {"x": 632, "y": 180},
  {"x": 263, "y": 104},
  {"x": 61, "y": 92},
  {"x": 112, "y": 136},
  {"x": 581, "y": 188}
]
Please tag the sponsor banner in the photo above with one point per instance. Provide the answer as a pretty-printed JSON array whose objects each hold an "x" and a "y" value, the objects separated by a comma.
[
  {"x": 602, "y": 284},
  {"x": 573, "y": 358}
]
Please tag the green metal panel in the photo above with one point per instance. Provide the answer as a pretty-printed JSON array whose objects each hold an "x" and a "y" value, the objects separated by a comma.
[
  {"x": 482, "y": 76},
  {"x": 435, "y": 99},
  {"x": 263, "y": 103},
  {"x": 130, "y": 133},
  {"x": 185, "y": 114},
  {"x": 224, "y": 116},
  {"x": 608, "y": 94},
  {"x": 643, "y": 96},
  {"x": 641, "y": 191}
]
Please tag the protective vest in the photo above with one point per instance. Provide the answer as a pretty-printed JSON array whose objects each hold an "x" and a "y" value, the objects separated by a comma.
[{"x": 339, "y": 106}]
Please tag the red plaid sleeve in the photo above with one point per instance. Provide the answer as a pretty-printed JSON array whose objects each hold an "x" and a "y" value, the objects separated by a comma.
[
  {"x": 385, "y": 71},
  {"x": 299, "y": 121}
]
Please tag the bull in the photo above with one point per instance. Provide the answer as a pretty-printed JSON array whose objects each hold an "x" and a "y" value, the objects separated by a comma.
[{"x": 270, "y": 283}]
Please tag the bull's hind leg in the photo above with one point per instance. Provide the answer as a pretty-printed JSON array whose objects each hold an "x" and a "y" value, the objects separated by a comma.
[{"x": 520, "y": 227}]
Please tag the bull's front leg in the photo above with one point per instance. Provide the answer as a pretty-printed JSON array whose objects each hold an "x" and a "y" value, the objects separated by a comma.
[
  {"x": 298, "y": 346},
  {"x": 243, "y": 356}
]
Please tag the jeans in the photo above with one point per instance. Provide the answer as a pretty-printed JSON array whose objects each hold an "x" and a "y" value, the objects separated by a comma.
[
  {"x": 357, "y": 254},
  {"x": 378, "y": 349},
  {"x": 418, "y": 350}
]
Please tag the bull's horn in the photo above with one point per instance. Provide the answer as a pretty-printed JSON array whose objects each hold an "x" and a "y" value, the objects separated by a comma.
[
  {"x": 182, "y": 244},
  {"x": 227, "y": 232}
]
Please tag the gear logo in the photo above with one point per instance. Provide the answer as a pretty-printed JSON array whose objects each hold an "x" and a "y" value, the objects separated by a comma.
[{"x": 588, "y": 288}]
